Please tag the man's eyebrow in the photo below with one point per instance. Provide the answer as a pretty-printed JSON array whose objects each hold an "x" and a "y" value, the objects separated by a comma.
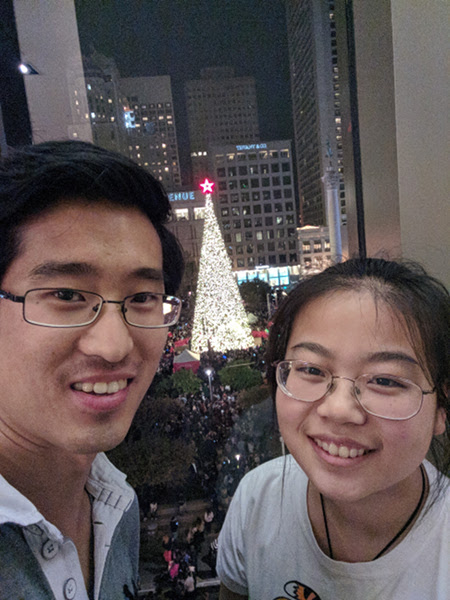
[
  {"x": 54, "y": 268},
  {"x": 148, "y": 273}
]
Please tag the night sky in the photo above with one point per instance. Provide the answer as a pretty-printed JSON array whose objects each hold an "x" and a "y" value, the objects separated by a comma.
[{"x": 179, "y": 37}]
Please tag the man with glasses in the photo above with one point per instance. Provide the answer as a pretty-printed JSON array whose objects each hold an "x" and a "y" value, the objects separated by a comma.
[{"x": 87, "y": 273}]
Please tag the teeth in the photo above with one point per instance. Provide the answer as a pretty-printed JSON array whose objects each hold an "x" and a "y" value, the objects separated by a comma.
[
  {"x": 100, "y": 387},
  {"x": 341, "y": 451}
]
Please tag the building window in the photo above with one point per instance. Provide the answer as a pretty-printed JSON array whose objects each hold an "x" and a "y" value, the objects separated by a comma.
[
  {"x": 280, "y": 233},
  {"x": 259, "y": 235},
  {"x": 243, "y": 170},
  {"x": 226, "y": 224},
  {"x": 275, "y": 168},
  {"x": 245, "y": 197},
  {"x": 227, "y": 238},
  {"x": 276, "y": 194},
  {"x": 270, "y": 234},
  {"x": 258, "y": 222},
  {"x": 257, "y": 209},
  {"x": 238, "y": 237},
  {"x": 265, "y": 181},
  {"x": 269, "y": 221},
  {"x": 235, "y": 211},
  {"x": 286, "y": 180},
  {"x": 221, "y": 172},
  {"x": 246, "y": 210},
  {"x": 275, "y": 181},
  {"x": 181, "y": 214},
  {"x": 249, "y": 248},
  {"x": 234, "y": 197},
  {"x": 247, "y": 223},
  {"x": 236, "y": 224},
  {"x": 279, "y": 220},
  {"x": 254, "y": 183},
  {"x": 239, "y": 250},
  {"x": 232, "y": 171},
  {"x": 271, "y": 246},
  {"x": 240, "y": 262},
  {"x": 264, "y": 169},
  {"x": 293, "y": 257},
  {"x": 267, "y": 208},
  {"x": 255, "y": 196},
  {"x": 244, "y": 184},
  {"x": 266, "y": 195},
  {"x": 282, "y": 259},
  {"x": 225, "y": 212},
  {"x": 260, "y": 247}
]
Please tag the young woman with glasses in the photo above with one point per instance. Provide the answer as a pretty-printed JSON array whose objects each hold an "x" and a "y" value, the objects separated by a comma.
[{"x": 359, "y": 358}]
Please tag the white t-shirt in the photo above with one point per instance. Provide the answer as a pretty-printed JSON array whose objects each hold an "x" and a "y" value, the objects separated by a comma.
[{"x": 267, "y": 549}]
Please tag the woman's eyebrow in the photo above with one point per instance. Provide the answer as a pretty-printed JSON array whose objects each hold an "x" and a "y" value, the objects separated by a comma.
[
  {"x": 313, "y": 347},
  {"x": 391, "y": 356}
]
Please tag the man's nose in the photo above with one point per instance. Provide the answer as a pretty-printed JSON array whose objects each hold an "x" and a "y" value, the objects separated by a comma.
[{"x": 108, "y": 337}]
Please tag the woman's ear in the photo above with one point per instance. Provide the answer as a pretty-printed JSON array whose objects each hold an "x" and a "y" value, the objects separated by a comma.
[{"x": 439, "y": 423}]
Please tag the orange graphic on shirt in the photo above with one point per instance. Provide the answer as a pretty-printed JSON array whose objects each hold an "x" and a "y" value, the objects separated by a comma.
[{"x": 298, "y": 591}]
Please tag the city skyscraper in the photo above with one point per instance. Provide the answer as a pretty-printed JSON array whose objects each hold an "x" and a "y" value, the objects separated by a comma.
[
  {"x": 107, "y": 104},
  {"x": 50, "y": 103},
  {"x": 315, "y": 90},
  {"x": 150, "y": 125},
  {"x": 221, "y": 109}
]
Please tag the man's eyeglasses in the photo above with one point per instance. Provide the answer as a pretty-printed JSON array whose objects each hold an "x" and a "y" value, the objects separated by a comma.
[
  {"x": 385, "y": 396},
  {"x": 66, "y": 307}
]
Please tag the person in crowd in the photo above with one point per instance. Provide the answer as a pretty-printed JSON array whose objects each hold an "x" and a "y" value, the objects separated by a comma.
[
  {"x": 358, "y": 362},
  {"x": 88, "y": 271}
]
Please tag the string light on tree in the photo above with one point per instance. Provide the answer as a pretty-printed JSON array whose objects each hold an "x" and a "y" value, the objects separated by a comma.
[{"x": 220, "y": 320}]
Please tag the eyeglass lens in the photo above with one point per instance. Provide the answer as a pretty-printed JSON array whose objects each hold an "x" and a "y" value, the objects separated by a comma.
[
  {"x": 68, "y": 307},
  {"x": 379, "y": 394}
]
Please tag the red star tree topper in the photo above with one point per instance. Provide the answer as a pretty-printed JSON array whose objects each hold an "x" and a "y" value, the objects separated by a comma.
[{"x": 207, "y": 186}]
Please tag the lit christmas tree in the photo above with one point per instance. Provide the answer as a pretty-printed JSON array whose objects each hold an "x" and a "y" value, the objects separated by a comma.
[{"x": 219, "y": 317}]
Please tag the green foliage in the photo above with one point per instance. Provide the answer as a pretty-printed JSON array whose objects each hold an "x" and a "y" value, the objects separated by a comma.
[
  {"x": 240, "y": 377},
  {"x": 186, "y": 382},
  {"x": 254, "y": 293},
  {"x": 254, "y": 395},
  {"x": 183, "y": 382},
  {"x": 148, "y": 454}
]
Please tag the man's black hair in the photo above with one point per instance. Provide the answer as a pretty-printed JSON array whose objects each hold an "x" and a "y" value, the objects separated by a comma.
[{"x": 36, "y": 178}]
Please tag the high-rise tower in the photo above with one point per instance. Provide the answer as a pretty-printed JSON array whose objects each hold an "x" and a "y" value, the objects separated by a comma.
[
  {"x": 150, "y": 123},
  {"x": 221, "y": 109},
  {"x": 315, "y": 92}
]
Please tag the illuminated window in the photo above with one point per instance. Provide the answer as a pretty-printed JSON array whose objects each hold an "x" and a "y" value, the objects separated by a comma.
[{"x": 181, "y": 214}]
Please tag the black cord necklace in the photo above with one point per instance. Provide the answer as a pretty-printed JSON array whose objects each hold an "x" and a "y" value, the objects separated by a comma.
[{"x": 396, "y": 536}]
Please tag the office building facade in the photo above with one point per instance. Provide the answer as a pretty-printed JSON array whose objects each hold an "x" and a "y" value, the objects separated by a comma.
[
  {"x": 255, "y": 208},
  {"x": 150, "y": 126},
  {"x": 221, "y": 109},
  {"x": 315, "y": 90}
]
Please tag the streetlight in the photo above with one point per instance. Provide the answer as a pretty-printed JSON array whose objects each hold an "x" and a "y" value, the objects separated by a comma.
[{"x": 209, "y": 373}]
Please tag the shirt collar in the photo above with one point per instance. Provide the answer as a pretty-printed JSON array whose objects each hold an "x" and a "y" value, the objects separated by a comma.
[{"x": 105, "y": 483}]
